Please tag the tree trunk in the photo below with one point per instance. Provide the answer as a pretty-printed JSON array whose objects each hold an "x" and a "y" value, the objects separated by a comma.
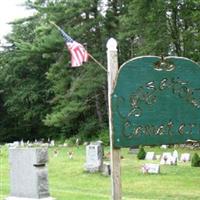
[{"x": 98, "y": 111}]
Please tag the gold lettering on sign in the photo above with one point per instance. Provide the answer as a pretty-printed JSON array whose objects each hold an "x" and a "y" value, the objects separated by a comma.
[
  {"x": 147, "y": 94},
  {"x": 160, "y": 130},
  {"x": 181, "y": 129},
  {"x": 130, "y": 130}
]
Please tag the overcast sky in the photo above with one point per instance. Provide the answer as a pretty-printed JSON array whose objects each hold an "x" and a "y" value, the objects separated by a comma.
[{"x": 9, "y": 11}]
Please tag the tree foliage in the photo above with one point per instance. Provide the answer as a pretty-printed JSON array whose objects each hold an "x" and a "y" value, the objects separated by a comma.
[{"x": 41, "y": 96}]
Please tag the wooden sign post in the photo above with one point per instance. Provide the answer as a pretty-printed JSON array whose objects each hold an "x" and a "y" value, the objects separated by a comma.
[
  {"x": 112, "y": 58},
  {"x": 152, "y": 101}
]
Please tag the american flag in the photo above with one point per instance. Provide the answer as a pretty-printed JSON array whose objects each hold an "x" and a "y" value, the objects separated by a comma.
[{"x": 78, "y": 53}]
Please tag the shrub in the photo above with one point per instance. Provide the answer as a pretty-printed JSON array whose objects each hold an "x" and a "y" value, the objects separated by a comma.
[
  {"x": 104, "y": 137},
  {"x": 141, "y": 153},
  {"x": 195, "y": 160}
]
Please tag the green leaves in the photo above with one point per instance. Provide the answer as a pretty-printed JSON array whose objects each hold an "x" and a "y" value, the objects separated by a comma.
[{"x": 42, "y": 93}]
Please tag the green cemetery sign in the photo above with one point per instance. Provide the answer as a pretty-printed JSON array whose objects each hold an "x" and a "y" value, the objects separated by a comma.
[{"x": 156, "y": 101}]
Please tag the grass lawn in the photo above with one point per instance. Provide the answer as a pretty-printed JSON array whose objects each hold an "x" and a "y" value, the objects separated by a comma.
[{"x": 68, "y": 181}]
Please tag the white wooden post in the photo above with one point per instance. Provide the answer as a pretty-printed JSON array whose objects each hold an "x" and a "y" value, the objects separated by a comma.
[{"x": 112, "y": 59}]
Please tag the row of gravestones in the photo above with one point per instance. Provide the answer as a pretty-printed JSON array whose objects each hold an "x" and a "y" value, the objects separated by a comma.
[
  {"x": 167, "y": 158},
  {"x": 16, "y": 144},
  {"x": 28, "y": 171},
  {"x": 41, "y": 143}
]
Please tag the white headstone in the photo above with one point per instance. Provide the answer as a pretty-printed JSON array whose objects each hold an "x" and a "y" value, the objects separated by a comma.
[
  {"x": 164, "y": 146},
  {"x": 166, "y": 158},
  {"x": 77, "y": 142},
  {"x": 158, "y": 157},
  {"x": 52, "y": 143},
  {"x": 14, "y": 144},
  {"x": 94, "y": 157},
  {"x": 22, "y": 143},
  {"x": 174, "y": 160},
  {"x": 65, "y": 145},
  {"x": 175, "y": 154},
  {"x": 150, "y": 156},
  {"x": 151, "y": 168},
  {"x": 185, "y": 157}
]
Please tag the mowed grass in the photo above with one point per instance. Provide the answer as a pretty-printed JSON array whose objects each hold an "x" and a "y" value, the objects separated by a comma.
[{"x": 68, "y": 181}]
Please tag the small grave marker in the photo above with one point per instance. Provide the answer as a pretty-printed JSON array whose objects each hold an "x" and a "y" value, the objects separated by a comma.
[
  {"x": 150, "y": 156},
  {"x": 175, "y": 154},
  {"x": 106, "y": 171},
  {"x": 52, "y": 143},
  {"x": 185, "y": 157},
  {"x": 166, "y": 158},
  {"x": 151, "y": 168},
  {"x": 158, "y": 157}
]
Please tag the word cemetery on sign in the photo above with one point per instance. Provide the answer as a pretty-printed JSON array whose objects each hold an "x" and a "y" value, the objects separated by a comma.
[{"x": 156, "y": 101}]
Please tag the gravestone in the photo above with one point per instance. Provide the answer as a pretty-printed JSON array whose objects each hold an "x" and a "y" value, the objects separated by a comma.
[
  {"x": 185, "y": 157},
  {"x": 52, "y": 143},
  {"x": 133, "y": 150},
  {"x": 175, "y": 154},
  {"x": 15, "y": 144},
  {"x": 28, "y": 174},
  {"x": 150, "y": 156},
  {"x": 94, "y": 157},
  {"x": 151, "y": 168},
  {"x": 22, "y": 143},
  {"x": 106, "y": 171},
  {"x": 164, "y": 146},
  {"x": 158, "y": 157},
  {"x": 166, "y": 158}
]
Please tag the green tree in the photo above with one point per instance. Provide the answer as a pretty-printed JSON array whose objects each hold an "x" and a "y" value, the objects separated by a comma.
[
  {"x": 160, "y": 28},
  {"x": 42, "y": 96},
  {"x": 195, "y": 160}
]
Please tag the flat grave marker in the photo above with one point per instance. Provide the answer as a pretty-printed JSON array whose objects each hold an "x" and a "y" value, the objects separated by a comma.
[{"x": 151, "y": 168}]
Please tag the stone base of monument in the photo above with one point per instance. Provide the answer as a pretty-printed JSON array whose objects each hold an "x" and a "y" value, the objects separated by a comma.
[
  {"x": 28, "y": 174},
  {"x": 92, "y": 168},
  {"x": 22, "y": 198}
]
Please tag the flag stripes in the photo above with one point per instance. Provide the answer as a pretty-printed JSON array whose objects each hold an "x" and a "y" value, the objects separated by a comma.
[{"x": 79, "y": 55}]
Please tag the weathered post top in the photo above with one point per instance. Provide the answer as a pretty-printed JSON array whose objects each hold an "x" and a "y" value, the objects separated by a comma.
[
  {"x": 112, "y": 59},
  {"x": 111, "y": 44}
]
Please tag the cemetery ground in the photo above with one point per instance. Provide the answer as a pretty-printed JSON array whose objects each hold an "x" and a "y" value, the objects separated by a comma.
[{"x": 67, "y": 179}]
